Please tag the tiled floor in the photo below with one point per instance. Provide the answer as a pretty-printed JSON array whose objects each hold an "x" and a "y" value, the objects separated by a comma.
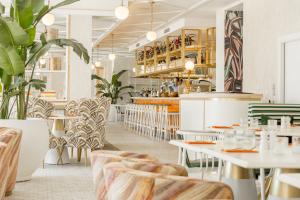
[{"x": 74, "y": 181}]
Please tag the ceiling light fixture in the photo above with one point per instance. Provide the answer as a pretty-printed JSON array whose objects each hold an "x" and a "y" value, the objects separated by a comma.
[
  {"x": 122, "y": 12},
  {"x": 189, "y": 65},
  {"x": 112, "y": 56},
  {"x": 49, "y": 18},
  {"x": 151, "y": 35}
]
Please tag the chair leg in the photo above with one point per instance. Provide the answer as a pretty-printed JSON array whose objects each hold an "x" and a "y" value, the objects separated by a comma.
[
  {"x": 79, "y": 150},
  {"x": 85, "y": 156},
  {"x": 43, "y": 164},
  {"x": 72, "y": 152},
  {"x": 60, "y": 152}
]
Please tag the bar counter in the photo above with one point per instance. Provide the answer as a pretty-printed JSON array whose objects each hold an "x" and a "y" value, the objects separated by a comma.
[
  {"x": 172, "y": 102},
  {"x": 198, "y": 111}
]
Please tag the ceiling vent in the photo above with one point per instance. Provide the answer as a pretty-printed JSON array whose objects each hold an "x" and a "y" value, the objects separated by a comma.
[
  {"x": 167, "y": 30},
  {"x": 137, "y": 44}
]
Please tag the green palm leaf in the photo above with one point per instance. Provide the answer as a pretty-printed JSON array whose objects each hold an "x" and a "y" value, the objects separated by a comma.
[
  {"x": 10, "y": 61},
  {"x": 11, "y": 33}
]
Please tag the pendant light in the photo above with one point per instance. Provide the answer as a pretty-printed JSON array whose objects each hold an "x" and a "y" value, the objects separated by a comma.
[
  {"x": 112, "y": 56},
  {"x": 151, "y": 35},
  {"x": 121, "y": 12},
  {"x": 189, "y": 65},
  {"x": 49, "y": 18}
]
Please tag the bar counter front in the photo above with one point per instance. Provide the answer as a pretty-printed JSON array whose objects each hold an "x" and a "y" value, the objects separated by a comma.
[{"x": 171, "y": 102}]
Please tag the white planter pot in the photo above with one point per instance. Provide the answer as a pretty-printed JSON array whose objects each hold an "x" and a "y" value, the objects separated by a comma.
[{"x": 34, "y": 144}]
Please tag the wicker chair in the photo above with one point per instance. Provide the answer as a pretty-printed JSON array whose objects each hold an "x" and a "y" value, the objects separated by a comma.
[
  {"x": 88, "y": 131},
  {"x": 39, "y": 108}
]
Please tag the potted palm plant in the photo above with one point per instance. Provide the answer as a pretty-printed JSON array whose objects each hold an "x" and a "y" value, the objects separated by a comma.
[
  {"x": 113, "y": 90},
  {"x": 20, "y": 51}
]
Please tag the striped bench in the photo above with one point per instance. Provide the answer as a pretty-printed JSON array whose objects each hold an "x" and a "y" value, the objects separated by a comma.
[{"x": 274, "y": 111}]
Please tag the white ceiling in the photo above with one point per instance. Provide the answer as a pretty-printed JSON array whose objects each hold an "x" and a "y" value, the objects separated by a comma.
[{"x": 135, "y": 27}]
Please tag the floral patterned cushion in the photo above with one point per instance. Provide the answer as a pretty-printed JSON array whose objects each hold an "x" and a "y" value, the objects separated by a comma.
[
  {"x": 123, "y": 183},
  {"x": 10, "y": 140}
]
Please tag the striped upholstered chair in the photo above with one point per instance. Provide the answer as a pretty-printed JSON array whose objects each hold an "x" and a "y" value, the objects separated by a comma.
[
  {"x": 142, "y": 162},
  {"x": 88, "y": 132},
  {"x": 10, "y": 140},
  {"x": 124, "y": 183}
]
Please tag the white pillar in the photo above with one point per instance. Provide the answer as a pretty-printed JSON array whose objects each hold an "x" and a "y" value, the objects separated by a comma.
[{"x": 79, "y": 27}]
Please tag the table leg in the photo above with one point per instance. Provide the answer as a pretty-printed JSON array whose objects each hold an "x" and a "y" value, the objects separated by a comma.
[
  {"x": 183, "y": 160},
  {"x": 220, "y": 169},
  {"x": 281, "y": 190},
  {"x": 262, "y": 183},
  {"x": 180, "y": 152},
  {"x": 241, "y": 181}
]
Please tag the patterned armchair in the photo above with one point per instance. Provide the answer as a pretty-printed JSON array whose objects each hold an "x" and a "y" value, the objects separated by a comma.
[
  {"x": 136, "y": 161},
  {"x": 39, "y": 108},
  {"x": 10, "y": 140},
  {"x": 123, "y": 183},
  {"x": 88, "y": 131}
]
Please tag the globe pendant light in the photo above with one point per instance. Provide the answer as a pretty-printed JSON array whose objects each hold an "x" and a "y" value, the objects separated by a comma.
[
  {"x": 189, "y": 65},
  {"x": 122, "y": 12},
  {"x": 48, "y": 19},
  {"x": 112, "y": 56},
  {"x": 151, "y": 35}
]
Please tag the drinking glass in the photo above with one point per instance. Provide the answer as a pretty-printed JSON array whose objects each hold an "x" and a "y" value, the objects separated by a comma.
[
  {"x": 281, "y": 145},
  {"x": 245, "y": 139},
  {"x": 229, "y": 140},
  {"x": 243, "y": 123},
  {"x": 272, "y": 124},
  {"x": 254, "y": 123},
  {"x": 296, "y": 145},
  {"x": 285, "y": 122}
]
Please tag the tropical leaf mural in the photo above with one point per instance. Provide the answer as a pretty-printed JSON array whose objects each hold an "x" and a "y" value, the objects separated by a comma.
[{"x": 233, "y": 51}]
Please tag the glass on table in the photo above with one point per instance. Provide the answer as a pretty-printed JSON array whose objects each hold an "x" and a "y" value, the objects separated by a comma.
[
  {"x": 245, "y": 139},
  {"x": 272, "y": 124},
  {"x": 281, "y": 145},
  {"x": 229, "y": 140},
  {"x": 254, "y": 123},
  {"x": 296, "y": 145},
  {"x": 285, "y": 122}
]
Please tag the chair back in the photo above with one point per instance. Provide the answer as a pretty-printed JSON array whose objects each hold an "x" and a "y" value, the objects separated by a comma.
[
  {"x": 71, "y": 108},
  {"x": 39, "y": 108}
]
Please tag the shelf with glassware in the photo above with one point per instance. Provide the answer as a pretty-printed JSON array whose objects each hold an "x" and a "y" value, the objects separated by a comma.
[
  {"x": 170, "y": 54},
  {"x": 51, "y": 69}
]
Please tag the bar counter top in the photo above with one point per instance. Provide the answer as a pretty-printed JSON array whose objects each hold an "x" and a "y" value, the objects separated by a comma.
[
  {"x": 157, "y": 98},
  {"x": 221, "y": 95}
]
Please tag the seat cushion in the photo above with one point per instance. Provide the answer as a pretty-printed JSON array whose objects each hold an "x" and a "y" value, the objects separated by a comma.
[
  {"x": 131, "y": 160},
  {"x": 123, "y": 183}
]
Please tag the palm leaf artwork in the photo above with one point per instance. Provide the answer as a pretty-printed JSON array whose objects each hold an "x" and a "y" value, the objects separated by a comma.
[
  {"x": 112, "y": 89},
  {"x": 233, "y": 51},
  {"x": 20, "y": 50}
]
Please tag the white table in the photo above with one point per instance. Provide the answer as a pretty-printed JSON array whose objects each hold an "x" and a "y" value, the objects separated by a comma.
[
  {"x": 58, "y": 130},
  {"x": 246, "y": 161},
  {"x": 292, "y": 179}
]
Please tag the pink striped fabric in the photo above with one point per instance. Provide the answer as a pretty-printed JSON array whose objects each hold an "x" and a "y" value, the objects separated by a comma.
[
  {"x": 9, "y": 156},
  {"x": 123, "y": 183},
  {"x": 136, "y": 161}
]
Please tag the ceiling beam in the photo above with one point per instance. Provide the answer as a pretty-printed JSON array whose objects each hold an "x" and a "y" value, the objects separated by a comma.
[
  {"x": 157, "y": 13},
  {"x": 102, "y": 13}
]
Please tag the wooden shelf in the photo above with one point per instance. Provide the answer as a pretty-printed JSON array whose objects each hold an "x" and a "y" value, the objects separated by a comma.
[{"x": 201, "y": 46}]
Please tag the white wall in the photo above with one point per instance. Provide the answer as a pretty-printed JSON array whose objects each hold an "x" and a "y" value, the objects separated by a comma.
[
  {"x": 79, "y": 28},
  {"x": 265, "y": 21}
]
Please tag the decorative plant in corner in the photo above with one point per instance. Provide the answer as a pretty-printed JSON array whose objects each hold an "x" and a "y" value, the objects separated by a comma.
[
  {"x": 113, "y": 89},
  {"x": 19, "y": 51}
]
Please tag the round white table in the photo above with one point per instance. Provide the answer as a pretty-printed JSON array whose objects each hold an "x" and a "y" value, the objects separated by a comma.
[{"x": 58, "y": 130}]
